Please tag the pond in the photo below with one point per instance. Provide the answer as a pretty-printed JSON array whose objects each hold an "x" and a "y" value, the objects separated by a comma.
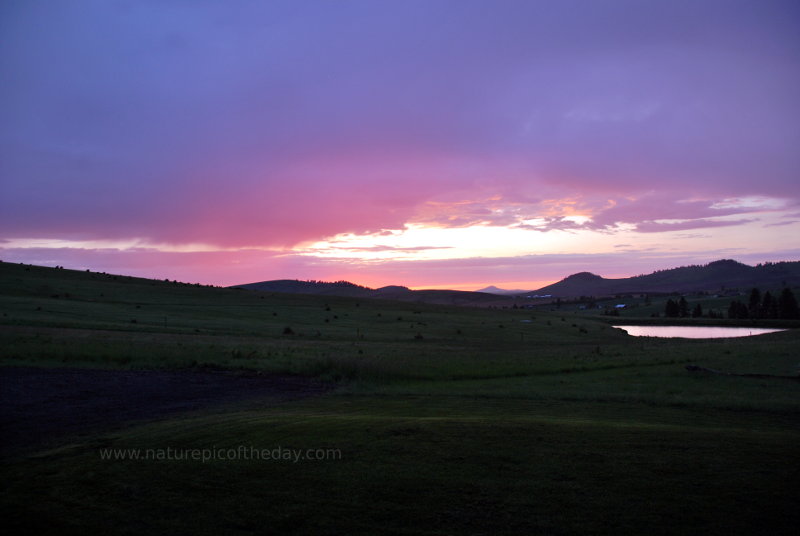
[{"x": 694, "y": 332}]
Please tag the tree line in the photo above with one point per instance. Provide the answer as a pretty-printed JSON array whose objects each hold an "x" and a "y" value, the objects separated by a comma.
[
  {"x": 766, "y": 306},
  {"x": 757, "y": 306}
]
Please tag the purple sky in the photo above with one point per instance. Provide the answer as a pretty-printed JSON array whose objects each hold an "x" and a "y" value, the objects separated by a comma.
[{"x": 427, "y": 143}]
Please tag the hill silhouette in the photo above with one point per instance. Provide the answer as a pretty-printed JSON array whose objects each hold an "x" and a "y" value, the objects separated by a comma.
[
  {"x": 717, "y": 276},
  {"x": 501, "y": 291},
  {"x": 391, "y": 292},
  {"x": 294, "y": 286}
]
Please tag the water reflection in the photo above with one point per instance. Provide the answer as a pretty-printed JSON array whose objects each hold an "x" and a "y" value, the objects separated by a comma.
[{"x": 695, "y": 332}]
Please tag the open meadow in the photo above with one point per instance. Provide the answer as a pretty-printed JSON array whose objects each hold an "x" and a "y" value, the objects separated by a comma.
[{"x": 402, "y": 418}]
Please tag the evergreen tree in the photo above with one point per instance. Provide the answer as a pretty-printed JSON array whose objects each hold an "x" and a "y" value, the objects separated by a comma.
[
  {"x": 737, "y": 310},
  {"x": 754, "y": 303},
  {"x": 787, "y": 304},
  {"x": 769, "y": 306},
  {"x": 671, "y": 309},
  {"x": 697, "y": 311},
  {"x": 683, "y": 308}
]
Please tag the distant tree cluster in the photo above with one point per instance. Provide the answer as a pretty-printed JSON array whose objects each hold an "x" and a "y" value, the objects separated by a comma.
[
  {"x": 766, "y": 306},
  {"x": 678, "y": 309},
  {"x": 340, "y": 283},
  {"x": 756, "y": 306}
]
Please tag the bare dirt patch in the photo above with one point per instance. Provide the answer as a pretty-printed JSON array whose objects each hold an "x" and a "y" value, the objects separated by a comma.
[{"x": 41, "y": 407}]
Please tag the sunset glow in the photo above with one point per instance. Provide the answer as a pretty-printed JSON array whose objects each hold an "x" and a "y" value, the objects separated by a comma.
[{"x": 383, "y": 143}]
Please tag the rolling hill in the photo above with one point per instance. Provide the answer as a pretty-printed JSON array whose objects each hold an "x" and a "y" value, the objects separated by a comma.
[
  {"x": 392, "y": 292},
  {"x": 718, "y": 276},
  {"x": 501, "y": 291}
]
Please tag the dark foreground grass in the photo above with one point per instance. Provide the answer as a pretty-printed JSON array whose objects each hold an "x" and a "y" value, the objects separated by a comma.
[
  {"x": 446, "y": 420},
  {"x": 421, "y": 465}
]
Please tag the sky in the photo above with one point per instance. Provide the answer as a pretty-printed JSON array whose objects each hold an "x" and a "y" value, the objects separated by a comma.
[{"x": 432, "y": 144}]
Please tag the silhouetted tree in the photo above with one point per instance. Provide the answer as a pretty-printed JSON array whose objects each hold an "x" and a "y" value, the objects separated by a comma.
[
  {"x": 697, "y": 311},
  {"x": 737, "y": 310},
  {"x": 754, "y": 303},
  {"x": 671, "y": 309},
  {"x": 683, "y": 308},
  {"x": 787, "y": 304},
  {"x": 769, "y": 306}
]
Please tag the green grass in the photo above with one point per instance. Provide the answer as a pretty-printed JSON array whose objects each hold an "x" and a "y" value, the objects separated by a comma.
[
  {"x": 428, "y": 465},
  {"x": 447, "y": 420}
]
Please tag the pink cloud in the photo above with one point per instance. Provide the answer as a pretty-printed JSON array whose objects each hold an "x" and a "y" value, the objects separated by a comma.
[
  {"x": 660, "y": 206},
  {"x": 378, "y": 249},
  {"x": 655, "y": 227},
  {"x": 782, "y": 223},
  {"x": 552, "y": 224},
  {"x": 605, "y": 212}
]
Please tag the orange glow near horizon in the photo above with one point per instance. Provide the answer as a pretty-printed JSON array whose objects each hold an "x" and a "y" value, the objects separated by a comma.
[
  {"x": 505, "y": 285},
  {"x": 510, "y": 254}
]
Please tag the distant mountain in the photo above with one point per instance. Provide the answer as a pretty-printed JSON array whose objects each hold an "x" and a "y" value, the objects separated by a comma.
[
  {"x": 577, "y": 285},
  {"x": 717, "y": 276},
  {"x": 501, "y": 291},
  {"x": 393, "y": 292},
  {"x": 294, "y": 286}
]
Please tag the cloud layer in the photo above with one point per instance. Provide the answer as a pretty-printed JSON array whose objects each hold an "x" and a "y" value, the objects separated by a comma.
[{"x": 269, "y": 125}]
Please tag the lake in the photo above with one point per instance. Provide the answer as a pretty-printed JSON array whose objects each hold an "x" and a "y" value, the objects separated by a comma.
[{"x": 695, "y": 332}]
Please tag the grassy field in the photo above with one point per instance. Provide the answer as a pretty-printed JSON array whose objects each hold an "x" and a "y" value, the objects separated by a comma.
[{"x": 444, "y": 420}]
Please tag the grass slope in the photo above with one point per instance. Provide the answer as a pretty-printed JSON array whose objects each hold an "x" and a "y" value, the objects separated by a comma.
[{"x": 447, "y": 420}]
